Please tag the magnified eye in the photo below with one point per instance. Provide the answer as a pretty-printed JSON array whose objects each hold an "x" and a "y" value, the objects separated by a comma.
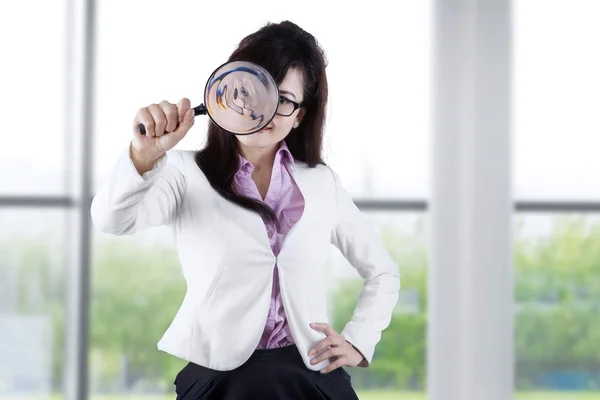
[{"x": 250, "y": 103}]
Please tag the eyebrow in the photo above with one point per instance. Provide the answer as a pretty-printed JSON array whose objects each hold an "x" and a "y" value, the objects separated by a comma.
[{"x": 286, "y": 92}]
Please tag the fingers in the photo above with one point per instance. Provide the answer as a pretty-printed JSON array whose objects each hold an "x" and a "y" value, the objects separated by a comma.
[
  {"x": 166, "y": 122},
  {"x": 171, "y": 114},
  {"x": 185, "y": 125},
  {"x": 332, "y": 337},
  {"x": 340, "y": 362},
  {"x": 333, "y": 346},
  {"x": 160, "y": 119},
  {"x": 326, "y": 355},
  {"x": 182, "y": 107},
  {"x": 322, "y": 345},
  {"x": 323, "y": 327},
  {"x": 144, "y": 117}
]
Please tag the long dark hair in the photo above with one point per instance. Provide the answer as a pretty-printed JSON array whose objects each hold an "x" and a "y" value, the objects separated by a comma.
[{"x": 277, "y": 48}]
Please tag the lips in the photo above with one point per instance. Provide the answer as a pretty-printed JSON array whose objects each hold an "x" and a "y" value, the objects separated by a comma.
[{"x": 267, "y": 129}]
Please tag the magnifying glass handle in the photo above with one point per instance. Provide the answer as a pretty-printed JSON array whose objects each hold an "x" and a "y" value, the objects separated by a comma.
[{"x": 199, "y": 110}]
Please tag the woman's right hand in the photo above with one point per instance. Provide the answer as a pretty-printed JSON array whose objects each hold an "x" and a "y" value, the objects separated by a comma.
[{"x": 166, "y": 125}]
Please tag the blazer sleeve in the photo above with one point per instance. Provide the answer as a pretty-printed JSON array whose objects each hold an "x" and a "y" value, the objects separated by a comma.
[
  {"x": 356, "y": 238},
  {"x": 129, "y": 202}
]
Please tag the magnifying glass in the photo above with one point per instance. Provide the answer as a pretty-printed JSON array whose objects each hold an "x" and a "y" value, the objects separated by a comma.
[{"x": 240, "y": 97}]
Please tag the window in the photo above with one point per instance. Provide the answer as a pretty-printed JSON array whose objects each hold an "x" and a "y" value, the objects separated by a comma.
[
  {"x": 555, "y": 97},
  {"x": 32, "y": 154},
  {"x": 557, "y": 292},
  {"x": 32, "y": 302},
  {"x": 556, "y": 265}
]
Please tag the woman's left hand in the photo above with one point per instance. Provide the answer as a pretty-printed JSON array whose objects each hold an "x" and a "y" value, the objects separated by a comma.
[{"x": 341, "y": 352}]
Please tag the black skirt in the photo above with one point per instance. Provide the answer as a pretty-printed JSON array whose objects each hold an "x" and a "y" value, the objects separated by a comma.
[{"x": 268, "y": 374}]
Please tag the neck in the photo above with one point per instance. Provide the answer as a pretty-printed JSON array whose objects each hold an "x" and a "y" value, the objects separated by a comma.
[{"x": 261, "y": 158}]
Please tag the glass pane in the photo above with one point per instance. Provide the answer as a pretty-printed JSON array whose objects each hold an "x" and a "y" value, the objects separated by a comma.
[
  {"x": 370, "y": 141},
  {"x": 138, "y": 287},
  {"x": 32, "y": 154},
  {"x": 32, "y": 304},
  {"x": 557, "y": 292},
  {"x": 556, "y": 93}
]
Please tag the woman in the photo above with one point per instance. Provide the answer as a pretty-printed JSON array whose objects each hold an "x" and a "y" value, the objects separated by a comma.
[{"x": 253, "y": 217}]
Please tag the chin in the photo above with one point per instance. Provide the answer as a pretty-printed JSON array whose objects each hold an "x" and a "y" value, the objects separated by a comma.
[{"x": 260, "y": 139}]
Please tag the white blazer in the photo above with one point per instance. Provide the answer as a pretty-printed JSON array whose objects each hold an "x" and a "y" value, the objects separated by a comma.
[{"x": 228, "y": 263}]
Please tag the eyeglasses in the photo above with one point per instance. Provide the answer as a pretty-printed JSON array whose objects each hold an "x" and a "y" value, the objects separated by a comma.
[{"x": 286, "y": 107}]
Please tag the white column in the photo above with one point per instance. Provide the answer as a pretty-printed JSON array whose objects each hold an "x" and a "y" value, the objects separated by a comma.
[
  {"x": 80, "y": 36},
  {"x": 470, "y": 327}
]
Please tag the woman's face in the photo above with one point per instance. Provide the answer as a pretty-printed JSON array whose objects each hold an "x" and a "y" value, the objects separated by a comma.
[{"x": 292, "y": 88}]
